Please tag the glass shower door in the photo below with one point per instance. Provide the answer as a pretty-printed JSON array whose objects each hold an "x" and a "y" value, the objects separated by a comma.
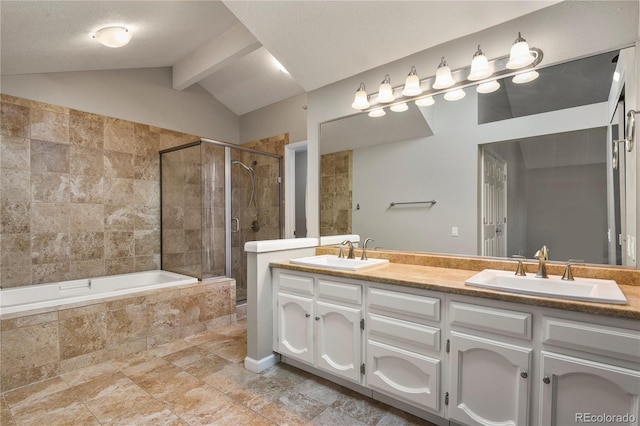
[{"x": 255, "y": 207}]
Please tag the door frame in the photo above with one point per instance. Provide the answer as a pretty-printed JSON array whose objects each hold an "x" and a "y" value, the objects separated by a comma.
[
  {"x": 484, "y": 151},
  {"x": 290, "y": 151}
]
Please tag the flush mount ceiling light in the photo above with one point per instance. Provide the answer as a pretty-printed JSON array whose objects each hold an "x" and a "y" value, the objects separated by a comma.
[
  {"x": 385, "y": 93},
  {"x": 479, "y": 66},
  {"x": 525, "y": 77},
  {"x": 412, "y": 84},
  {"x": 443, "y": 76},
  {"x": 428, "y": 101},
  {"x": 361, "y": 101},
  {"x": 521, "y": 55},
  {"x": 113, "y": 36},
  {"x": 377, "y": 113},
  {"x": 399, "y": 107},
  {"x": 488, "y": 87},
  {"x": 455, "y": 95}
]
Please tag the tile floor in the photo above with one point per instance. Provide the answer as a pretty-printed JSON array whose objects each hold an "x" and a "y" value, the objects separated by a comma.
[{"x": 199, "y": 380}]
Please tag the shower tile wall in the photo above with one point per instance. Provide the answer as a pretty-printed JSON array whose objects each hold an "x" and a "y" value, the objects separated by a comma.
[
  {"x": 336, "y": 193},
  {"x": 79, "y": 193},
  {"x": 267, "y": 171}
]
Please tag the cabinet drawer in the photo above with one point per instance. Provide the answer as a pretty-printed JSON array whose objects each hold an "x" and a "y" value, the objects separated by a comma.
[
  {"x": 339, "y": 291},
  {"x": 594, "y": 338},
  {"x": 406, "y": 306},
  {"x": 493, "y": 320},
  {"x": 297, "y": 284},
  {"x": 402, "y": 334}
]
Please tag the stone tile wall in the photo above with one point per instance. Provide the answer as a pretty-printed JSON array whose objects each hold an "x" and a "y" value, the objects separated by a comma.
[
  {"x": 36, "y": 347},
  {"x": 79, "y": 193},
  {"x": 336, "y": 193}
]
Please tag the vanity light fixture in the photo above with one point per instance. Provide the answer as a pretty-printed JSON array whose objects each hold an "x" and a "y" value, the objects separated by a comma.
[
  {"x": 385, "y": 93},
  {"x": 443, "y": 76},
  {"x": 525, "y": 77},
  {"x": 401, "y": 107},
  {"x": 483, "y": 74},
  {"x": 412, "y": 84},
  {"x": 521, "y": 55},
  {"x": 479, "y": 66},
  {"x": 113, "y": 36},
  {"x": 455, "y": 95},
  {"x": 428, "y": 101},
  {"x": 377, "y": 113},
  {"x": 361, "y": 101},
  {"x": 488, "y": 87}
]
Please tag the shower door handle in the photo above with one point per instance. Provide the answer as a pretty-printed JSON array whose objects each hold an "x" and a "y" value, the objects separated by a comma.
[{"x": 235, "y": 221}]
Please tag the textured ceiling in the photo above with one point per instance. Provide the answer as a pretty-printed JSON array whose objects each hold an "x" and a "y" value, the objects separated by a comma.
[{"x": 227, "y": 47}]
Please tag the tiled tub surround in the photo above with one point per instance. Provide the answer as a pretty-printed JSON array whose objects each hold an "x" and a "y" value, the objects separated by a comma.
[
  {"x": 41, "y": 344},
  {"x": 79, "y": 193}
]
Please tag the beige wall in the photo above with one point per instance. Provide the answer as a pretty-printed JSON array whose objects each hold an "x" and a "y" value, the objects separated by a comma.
[
  {"x": 287, "y": 116},
  {"x": 79, "y": 193}
]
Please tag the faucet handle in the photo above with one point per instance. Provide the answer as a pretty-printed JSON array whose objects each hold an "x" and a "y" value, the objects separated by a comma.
[
  {"x": 520, "y": 269},
  {"x": 341, "y": 253},
  {"x": 568, "y": 276}
]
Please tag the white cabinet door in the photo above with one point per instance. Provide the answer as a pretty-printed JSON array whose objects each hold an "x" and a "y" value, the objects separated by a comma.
[
  {"x": 576, "y": 391},
  {"x": 339, "y": 340},
  {"x": 295, "y": 322},
  {"x": 404, "y": 375},
  {"x": 489, "y": 381}
]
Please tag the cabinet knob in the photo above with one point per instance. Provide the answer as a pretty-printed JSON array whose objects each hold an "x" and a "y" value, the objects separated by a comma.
[
  {"x": 546, "y": 380},
  {"x": 317, "y": 318},
  {"x": 524, "y": 374},
  {"x": 307, "y": 315}
]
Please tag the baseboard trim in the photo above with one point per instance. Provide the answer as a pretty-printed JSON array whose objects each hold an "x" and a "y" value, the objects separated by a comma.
[{"x": 258, "y": 366}]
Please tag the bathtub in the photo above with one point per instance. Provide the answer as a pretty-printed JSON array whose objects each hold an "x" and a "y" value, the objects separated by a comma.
[{"x": 59, "y": 294}]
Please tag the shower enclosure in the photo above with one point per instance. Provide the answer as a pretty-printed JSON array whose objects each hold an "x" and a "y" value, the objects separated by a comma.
[{"x": 214, "y": 198}]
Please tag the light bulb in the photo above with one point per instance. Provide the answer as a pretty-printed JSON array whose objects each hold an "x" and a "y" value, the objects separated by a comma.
[
  {"x": 399, "y": 107},
  {"x": 412, "y": 84},
  {"x": 520, "y": 54},
  {"x": 113, "y": 36},
  {"x": 443, "y": 76},
  {"x": 479, "y": 66},
  {"x": 361, "y": 100},
  {"x": 428, "y": 101},
  {"x": 488, "y": 87},
  {"x": 455, "y": 95},
  {"x": 525, "y": 77},
  {"x": 385, "y": 93},
  {"x": 377, "y": 113}
]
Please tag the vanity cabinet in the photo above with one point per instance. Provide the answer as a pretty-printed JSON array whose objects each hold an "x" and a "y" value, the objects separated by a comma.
[
  {"x": 403, "y": 345},
  {"x": 489, "y": 379},
  {"x": 320, "y": 322},
  {"x": 592, "y": 380}
]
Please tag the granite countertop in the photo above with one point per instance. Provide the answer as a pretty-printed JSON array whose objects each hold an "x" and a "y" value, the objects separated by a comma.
[{"x": 450, "y": 280}]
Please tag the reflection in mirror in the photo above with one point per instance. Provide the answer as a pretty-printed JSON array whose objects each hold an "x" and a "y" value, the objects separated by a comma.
[{"x": 511, "y": 171}]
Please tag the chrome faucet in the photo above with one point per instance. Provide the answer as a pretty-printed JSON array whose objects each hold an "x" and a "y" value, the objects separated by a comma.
[
  {"x": 542, "y": 255},
  {"x": 364, "y": 249},
  {"x": 350, "y": 255}
]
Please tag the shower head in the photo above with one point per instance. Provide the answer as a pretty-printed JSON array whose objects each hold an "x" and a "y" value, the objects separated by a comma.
[{"x": 244, "y": 165}]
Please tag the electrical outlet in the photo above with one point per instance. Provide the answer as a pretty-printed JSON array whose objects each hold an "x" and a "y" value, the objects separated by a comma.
[{"x": 454, "y": 231}]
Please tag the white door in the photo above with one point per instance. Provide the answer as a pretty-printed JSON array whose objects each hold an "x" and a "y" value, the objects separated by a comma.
[
  {"x": 295, "y": 327},
  {"x": 339, "y": 340},
  {"x": 404, "y": 375},
  {"x": 573, "y": 389},
  {"x": 494, "y": 205},
  {"x": 489, "y": 381}
]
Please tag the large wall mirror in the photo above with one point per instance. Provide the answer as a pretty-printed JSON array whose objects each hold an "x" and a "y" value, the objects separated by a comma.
[{"x": 509, "y": 171}]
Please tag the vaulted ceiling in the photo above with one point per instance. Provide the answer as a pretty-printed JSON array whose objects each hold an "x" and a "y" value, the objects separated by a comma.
[{"x": 230, "y": 47}]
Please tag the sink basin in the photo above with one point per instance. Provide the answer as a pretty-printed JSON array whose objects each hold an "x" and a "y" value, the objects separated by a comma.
[
  {"x": 328, "y": 261},
  {"x": 586, "y": 289}
]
